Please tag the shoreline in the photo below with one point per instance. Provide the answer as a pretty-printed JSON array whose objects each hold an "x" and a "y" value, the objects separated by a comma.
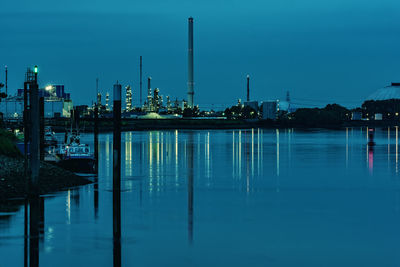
[
  {"x": 106, "y": 124},
  {"x": 51, "y": 179}
]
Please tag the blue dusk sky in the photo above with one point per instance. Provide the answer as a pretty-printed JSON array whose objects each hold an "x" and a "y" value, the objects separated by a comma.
[{"x": 321, "y": 51}]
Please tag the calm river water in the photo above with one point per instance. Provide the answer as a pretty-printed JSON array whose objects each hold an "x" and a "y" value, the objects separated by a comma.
[{"x": 228, "y": 198}]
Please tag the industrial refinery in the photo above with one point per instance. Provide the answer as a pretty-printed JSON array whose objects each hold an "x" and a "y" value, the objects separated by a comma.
[{"x": 155, "y": 104}]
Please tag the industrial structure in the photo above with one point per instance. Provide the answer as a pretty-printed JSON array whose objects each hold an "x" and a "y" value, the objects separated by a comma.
[
  {"x": 248, "y": 88},
  {"x": 6, "y": 80},
  {"x": 107, "y": 101},
  {"x": 190, "y": 66},
  {"x": 388, "y": 92},
  {"x": 270, "y": 109},
  {"x": 57, "y": 103},
  {"x": 140, "y": 78},
  {"x": 128, "y": 98}
]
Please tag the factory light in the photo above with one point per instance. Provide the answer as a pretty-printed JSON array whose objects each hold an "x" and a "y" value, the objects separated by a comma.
[{"x": 49, "y": 87}]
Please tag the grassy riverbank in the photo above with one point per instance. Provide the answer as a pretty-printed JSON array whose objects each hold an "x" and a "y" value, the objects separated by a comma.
[{"x": 7, "y": 147}]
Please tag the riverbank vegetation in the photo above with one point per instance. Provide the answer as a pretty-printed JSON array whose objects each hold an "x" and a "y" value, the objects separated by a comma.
[{"x": 7, "y": 144}]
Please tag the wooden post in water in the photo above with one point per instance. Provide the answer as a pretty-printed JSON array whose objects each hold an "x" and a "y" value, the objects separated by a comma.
[
  {"x": 96, "y": 160},
  {"x": 96, "y": 137},
  {"x": 41, "y": 112},
  {"x": 26, "y": 116},
  {"x": 117, "y": 164},
  {"x": 35, "y": 136}
]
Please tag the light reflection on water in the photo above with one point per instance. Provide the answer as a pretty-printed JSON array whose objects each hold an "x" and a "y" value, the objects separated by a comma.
[{"x": 313, "y": 195}]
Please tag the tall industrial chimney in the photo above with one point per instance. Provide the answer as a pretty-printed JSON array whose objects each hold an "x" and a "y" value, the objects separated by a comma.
[
  {"x": 97, "y": 87},
  {"x": 190, "y": 65},
  {"x": 140, "y": 80},
  {"x": 248, "y": 88},
  {"x": 148, "y": 86},
  {"x": 6, "y": 81}
]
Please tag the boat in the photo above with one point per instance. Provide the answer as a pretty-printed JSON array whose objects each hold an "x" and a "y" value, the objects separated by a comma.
[
  {"x": 72, "y": 155},
  {"x": 77, "y": 158},
  {"x": 49, "y": 137}
]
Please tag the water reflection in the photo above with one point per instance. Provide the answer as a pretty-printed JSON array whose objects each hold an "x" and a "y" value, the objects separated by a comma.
[
  {"x": 347, "y": 147},
  {"x": 116, "y": 252},
  {"x": 176, "y": 157},
  {"x": 388, "y": 147},
  {"x": 96, "y": 197},
  {"x": 247, "y": 155},
  {"x": 300, "y": 168},
  {"x": 68, "y": 206},
  {"x": 370, "y": 149},
  {"x": 190, "y": 171},
  {"x": 33, "y": 229},
  {"x": 247, "y": 145},
  {"x": 277, "y": 160},
  {"x": 128, "y": 154},
  {"x": 397, "y": 148}
]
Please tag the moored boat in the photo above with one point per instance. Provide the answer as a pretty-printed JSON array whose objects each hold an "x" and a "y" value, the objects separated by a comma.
[{"x": 76, "y": 158}]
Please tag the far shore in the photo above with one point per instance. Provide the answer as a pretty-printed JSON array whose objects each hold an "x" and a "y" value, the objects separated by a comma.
[{"x": 106, "y": 124}]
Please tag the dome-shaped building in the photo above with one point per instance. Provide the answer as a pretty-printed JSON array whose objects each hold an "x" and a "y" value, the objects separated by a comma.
[{"x": 389, "y": 92}]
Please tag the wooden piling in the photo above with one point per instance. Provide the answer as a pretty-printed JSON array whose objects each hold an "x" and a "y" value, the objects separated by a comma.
[
  {"x": 41, "y": 112},
  {"x": 35, "y": 137},
  {"x": 96, "y": 137},
  {"x": 117, "y": 163}
]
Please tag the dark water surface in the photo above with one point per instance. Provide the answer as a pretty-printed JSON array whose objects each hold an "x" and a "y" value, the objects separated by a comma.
[{"x": 228, "y": 198}]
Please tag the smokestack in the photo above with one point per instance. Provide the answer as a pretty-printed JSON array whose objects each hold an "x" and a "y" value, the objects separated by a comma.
[
  {"x": 190, "y": 65},
  {"x": 140, "y": 80},
  {"x": 149, "y": 86},
  {"x": 248, "y": 88},
  {"x": 6, "y": 81},
  {"x": 97, "y": 87}
]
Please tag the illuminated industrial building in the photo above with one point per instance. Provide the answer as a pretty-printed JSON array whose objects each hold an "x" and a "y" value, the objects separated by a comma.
[
  {"x": 128, "y": 98},
  {"x": 107, "y": 101},
  {"x": 57, "y": 103}
]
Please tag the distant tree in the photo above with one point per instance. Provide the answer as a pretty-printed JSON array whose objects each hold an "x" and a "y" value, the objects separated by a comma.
[
  {"x": 228, "y": 113},
  {"x": 248, "y": 113},
  {"x": 388, "y": 108},
  {"x": 191, "y": 112},
  {"x": 331, "y": 115}
]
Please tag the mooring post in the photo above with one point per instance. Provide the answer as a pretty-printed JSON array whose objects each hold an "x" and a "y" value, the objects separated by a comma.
[
  {"x": 117, "y": 164},
  {"x": 26, "y": 131},
  {"x": 35, "y": 136},
  {"x": 96, "y": 138},
  {"x": 41, "y": 111},
  {"x": 96, "y": 160}
]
